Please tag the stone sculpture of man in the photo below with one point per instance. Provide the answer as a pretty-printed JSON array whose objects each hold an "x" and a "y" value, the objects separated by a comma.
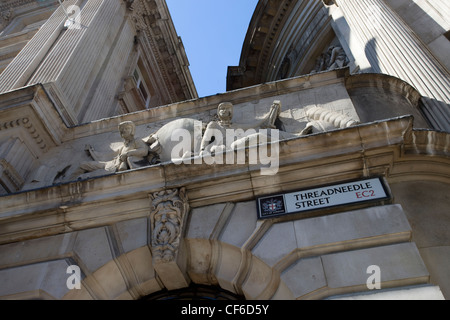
[
  {"x": 133, "y": 150},
  {"x": 335, "y": 57},
  {"x": 213, "y": 140},
  {"x": 130, "y": 156}
]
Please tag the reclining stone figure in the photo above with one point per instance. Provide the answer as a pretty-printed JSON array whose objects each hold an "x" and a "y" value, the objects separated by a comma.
[{"x": 133, "y": 154}]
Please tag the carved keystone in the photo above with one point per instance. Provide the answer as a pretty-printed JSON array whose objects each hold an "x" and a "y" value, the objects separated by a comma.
[{"x": 167, "y": 219}]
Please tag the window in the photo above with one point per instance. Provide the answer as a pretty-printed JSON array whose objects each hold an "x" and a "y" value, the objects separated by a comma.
[
  {"x": 137, "y": 92},
  {"x": 142, "y": 86}
]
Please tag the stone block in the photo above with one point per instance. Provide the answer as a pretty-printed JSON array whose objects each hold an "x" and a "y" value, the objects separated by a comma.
[
  {"x": 107, "y": 282},
  {"x": 228, "y": 266},
  {"x": 50, "y": 278},
  {"x": 36, "y": 250},
  {"x": 132, "y": 233},
  {"x": 241, "y": 224},
  {"x": 437, "y": 260},
  {"x": 203, "y": 220},
  {"x": 92, "y": 246},
  {"x": 200, "y": 260},
  {"x": 141, "y": 262},
  {"x": 259, "y": 277},
  {"x": 399, "y": 264},
  {"x": 304, "y": 276},
  {"x": 371, "y": 225},
  {"x": 283, "y": 293},
  {"x": 278, "y": 242}
]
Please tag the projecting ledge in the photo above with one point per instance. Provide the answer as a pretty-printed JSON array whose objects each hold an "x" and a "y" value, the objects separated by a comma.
[{"x": 324, "y": 158}]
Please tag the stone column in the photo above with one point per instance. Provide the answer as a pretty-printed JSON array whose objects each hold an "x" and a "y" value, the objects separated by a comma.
[
  {"x": 392, "y": 48},
  {"x": 77, "y": 59},
  {"x": 19, "y": 71}
]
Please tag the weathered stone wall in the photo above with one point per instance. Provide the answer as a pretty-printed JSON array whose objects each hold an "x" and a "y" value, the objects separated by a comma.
[
  {"x": 426, "y": 206},
  {"x": 103, "y": 224},
  {"x": 225, "y": 245}
]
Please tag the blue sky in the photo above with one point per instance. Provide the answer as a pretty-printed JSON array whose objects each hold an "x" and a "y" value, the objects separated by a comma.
[{"x": 213, "y": 32}]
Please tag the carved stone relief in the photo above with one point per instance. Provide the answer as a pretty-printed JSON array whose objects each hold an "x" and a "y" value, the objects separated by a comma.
[
  {"x": 332, "y": 58},
  {"x": 6, "y": 17},
  {"x": 133, "y": 153},
  {"x": 204, "y": 140},
  {"x": 322, "y": 120},
  {"x": 213, "y": 142},
  {"x": 288, "y": 61},
  {"x": 167, "y": 216}
]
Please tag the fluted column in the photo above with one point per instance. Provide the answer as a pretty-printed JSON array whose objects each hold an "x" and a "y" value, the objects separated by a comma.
[
  {"x": 19, "y": 71},
  {"x": 392, "y": 48},
  {"x": 77, "y": 58}
]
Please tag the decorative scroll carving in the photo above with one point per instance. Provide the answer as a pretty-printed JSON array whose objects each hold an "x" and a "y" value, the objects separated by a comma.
[
  {"x": 167, "y": 215},
  {"x": 322, "y": 119}
]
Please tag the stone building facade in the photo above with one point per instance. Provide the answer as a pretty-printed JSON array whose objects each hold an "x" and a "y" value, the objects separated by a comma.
[{"x": 119, "y": 182}]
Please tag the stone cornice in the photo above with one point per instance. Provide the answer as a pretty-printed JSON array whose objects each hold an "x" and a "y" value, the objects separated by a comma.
[
  {"x": 26, "y": 123},
  {"x": 364, "y": 80},
  {"x": 7, "y": 4},
  {"x": 34, "y": 114},
  {"x": 266, "y": 23},
  {"x": 7, "y": 8},
  {"x": 152, "y": 20}
]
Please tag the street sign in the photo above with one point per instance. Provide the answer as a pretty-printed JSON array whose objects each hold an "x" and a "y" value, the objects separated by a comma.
[{"x": 322, "y": 197}]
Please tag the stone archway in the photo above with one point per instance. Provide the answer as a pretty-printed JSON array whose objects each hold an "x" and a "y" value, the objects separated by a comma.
[
  {"x": 230, "y": 273},
  {"x": 194, "y": 292}
]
